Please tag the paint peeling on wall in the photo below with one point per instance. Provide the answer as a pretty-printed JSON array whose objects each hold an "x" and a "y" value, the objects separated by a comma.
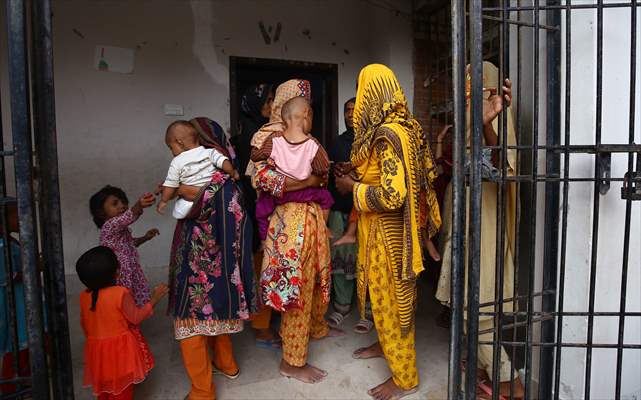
[{"x": 203, "y": 46}]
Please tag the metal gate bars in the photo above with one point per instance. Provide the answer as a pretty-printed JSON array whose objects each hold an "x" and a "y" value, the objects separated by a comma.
[
  {"x": 560, "y": 313},
  {"x": 30, "y": 65}
]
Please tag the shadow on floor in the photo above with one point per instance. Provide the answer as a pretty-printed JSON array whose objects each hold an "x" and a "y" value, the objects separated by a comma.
[{"x": 259, "y": 379}]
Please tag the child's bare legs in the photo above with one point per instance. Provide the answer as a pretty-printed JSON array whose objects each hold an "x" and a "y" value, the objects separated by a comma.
[
  {"x": 431, "y": 250},
  {"x": 349, "y": 236},
  {"x": 330, "y": 235}
]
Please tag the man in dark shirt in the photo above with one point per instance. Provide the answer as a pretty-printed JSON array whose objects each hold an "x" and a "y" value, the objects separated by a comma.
[{"x": 343, "y": 256}]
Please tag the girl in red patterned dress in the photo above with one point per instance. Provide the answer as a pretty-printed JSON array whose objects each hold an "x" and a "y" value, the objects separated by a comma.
[{"x": 116, "y": 358}]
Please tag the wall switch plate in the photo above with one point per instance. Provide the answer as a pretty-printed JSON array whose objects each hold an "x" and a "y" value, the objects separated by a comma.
[{"x": 174, "y": 109}]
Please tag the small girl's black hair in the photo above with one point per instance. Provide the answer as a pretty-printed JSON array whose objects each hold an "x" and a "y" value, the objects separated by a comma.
[
  {"x": 97, "y": 269},
  {"x": 97, "y": 202}
]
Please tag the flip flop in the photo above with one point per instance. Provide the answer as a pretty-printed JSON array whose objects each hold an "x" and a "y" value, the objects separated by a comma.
[
  {"x": 269, "y": 344},
  {"x": 363, "y": 326},
  {"x": 488, "y": 390},
  {"x": 335, "y": 319}
]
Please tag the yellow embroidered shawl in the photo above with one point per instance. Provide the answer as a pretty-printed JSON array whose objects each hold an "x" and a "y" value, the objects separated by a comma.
[{"x": 380, "y": 103}]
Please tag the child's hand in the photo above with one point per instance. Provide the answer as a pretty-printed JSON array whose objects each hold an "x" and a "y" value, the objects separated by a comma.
[
  {"x": 160, "y": 291},
  {"x": 160, "y": 208},
  {"x": 152, "y": 233},
  {"x": 147, "y": 200},
  {"x": 235, "y": 176}
]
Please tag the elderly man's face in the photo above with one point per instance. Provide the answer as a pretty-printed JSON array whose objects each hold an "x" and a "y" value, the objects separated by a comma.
[{"x": 349, "y": 114}]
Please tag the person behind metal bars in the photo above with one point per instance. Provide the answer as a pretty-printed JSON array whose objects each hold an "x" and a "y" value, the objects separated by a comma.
[{"x": 492, "y": 107}]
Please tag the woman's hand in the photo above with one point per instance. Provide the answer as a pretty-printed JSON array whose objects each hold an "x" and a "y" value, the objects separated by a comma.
[
  {"x": 443, "y": 133},
  {"x": 342, "y": 168},
  {"x": 345, "y": 184},
  {"x": 493, "y": 105}
]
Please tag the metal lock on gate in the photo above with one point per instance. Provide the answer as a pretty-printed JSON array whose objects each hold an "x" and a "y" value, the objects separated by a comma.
[{"x": 631, "y": 189}]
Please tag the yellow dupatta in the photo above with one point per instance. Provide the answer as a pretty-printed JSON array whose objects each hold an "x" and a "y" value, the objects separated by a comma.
[{"x": 380, "y": 103}]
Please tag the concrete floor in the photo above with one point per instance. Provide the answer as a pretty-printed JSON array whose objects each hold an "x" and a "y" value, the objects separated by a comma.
[{"x": 259, "y": 379}]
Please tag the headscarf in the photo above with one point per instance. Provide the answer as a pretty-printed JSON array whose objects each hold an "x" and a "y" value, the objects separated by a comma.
[
  {"x": 212, "y": 135},
  {"x": 285, "y": 92},
  {"x": 380, "y": 103},
  {"x": 253, "y": 101}
]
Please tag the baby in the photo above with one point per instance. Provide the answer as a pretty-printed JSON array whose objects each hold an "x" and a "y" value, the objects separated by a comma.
[
  {"x": 296, "y": 154},
  {"x": 193, "y": 165}
]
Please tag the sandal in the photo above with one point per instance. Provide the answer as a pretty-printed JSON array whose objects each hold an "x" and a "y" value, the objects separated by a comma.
[
  {"x": 363, "y": 326},
  {"x": 335, "y": 319},
  {"x": 269, "y": 344},
  {"x": 487, "y": 391},
  {"x": 228, "y": 376}
]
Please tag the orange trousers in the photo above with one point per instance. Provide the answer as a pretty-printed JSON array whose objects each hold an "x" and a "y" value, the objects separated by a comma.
[
  {"x": 198, "y": 364},
  {"x": 298, "y": 325},
  {"x": 262, "y": 318}
]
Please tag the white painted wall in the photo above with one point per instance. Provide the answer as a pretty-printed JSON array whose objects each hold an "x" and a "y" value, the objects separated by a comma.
[
  {"x": 111, "y": 126},
  {"x": 616, "y": 94}
]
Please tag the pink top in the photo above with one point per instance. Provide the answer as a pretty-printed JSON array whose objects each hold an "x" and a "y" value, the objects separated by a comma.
[
  {"x": 116, "y": 235},
  {"x": 294, "y": 159}
]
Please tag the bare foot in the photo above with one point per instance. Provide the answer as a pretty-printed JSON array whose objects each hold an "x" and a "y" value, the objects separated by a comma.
[
  {"x": 305, "y": 374},
  {"x": 372, "y": 351},
  {"x": 431, "y": 250},
  {"x": 345, "y": 239},
  {"x": 389, "y": 391},
  {"x": 333, "y": 332}
]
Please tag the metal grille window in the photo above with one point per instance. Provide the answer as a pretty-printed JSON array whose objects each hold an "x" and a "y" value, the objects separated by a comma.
[
  {"x": 571, "y": 328},
  {"x": 34, "y": 158}
]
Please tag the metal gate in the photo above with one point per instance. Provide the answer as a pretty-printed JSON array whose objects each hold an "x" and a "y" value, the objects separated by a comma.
[
  {"x": 35, "y": 169},
  {"x": 536, "y": 40}
]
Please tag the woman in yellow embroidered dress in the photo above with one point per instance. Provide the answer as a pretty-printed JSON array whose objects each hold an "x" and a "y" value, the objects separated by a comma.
[{"x": 392, "y": 176}]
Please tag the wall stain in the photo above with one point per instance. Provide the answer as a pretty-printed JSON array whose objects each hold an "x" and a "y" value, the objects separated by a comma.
[
  {"x": 78, "y": 33},
  {"x": 263, "y": 31},
  {"x": 307, "y": 33},
  {"x": 279, "y": 27}
]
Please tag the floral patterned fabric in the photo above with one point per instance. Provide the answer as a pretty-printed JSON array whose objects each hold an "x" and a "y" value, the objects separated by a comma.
[
  {"x": 296, "y": 239},
  {"x": 116, "y": 235},
  {"x": 211, "y": 272}
]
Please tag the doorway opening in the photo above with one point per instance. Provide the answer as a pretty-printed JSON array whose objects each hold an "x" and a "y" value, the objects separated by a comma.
[{"x": 323, "y": 77}]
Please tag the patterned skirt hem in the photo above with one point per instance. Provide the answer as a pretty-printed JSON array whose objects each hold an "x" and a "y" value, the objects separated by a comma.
[{"x": 186, "y": 328}]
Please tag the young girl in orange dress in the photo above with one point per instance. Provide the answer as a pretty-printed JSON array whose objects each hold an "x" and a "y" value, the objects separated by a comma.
[{"x": 116, "y": 358}]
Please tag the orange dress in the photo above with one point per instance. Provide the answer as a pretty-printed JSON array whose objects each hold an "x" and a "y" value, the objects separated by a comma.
[{"x": 116, "y": 354}]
